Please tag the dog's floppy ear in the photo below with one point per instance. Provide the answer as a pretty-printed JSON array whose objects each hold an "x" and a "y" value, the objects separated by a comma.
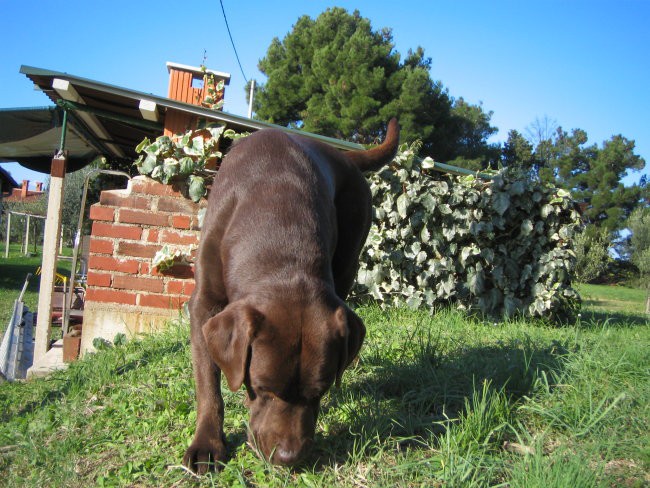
[
  {"x": 353, "y": 331},
  {"x": 228, "y": 336}
]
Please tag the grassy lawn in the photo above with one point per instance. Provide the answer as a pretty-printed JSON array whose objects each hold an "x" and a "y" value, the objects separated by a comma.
[
  {"x": 435, "y": 400},
  {"x": 13, "y": 271},
  {"x": 613, "y": 298}
]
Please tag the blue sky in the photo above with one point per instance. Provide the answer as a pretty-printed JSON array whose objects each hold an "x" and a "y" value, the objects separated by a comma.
[{"x": 582, "y": 63}]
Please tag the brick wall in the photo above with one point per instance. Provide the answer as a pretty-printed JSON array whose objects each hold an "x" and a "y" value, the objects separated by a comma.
[{"x": 125, "y": 293}]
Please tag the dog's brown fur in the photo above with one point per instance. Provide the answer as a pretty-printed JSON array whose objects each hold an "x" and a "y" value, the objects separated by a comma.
[{"x": 286, "y": 219}]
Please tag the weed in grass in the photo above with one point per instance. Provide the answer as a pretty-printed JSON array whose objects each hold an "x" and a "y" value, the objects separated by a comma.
[
  {"x": 467, "y": 445},
  {"x": 559, "y": 469}
]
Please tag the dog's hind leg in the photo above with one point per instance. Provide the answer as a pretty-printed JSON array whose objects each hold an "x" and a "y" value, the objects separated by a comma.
[{"x": 354, "y": 213}]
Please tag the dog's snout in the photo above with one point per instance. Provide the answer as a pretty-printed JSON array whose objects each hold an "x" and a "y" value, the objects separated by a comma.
[
  {"x": 286, "y": 456},
  {"x": 289, "y": 455}
]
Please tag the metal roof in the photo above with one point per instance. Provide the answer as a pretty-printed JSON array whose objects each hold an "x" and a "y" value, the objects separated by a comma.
[{"x": 116, "y": 119}]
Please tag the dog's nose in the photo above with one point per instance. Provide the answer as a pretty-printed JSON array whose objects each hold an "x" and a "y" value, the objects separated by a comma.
[
  {"x": 287, "y": 456},
  {"x": 290, "y": 454}
]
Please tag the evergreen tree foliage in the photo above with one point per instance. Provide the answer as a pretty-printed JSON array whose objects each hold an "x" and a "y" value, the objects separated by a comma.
[
  {"x": 336, "y": 76},
  {"x": 517, "y": 153},
  {"x": 639, "y": 242},
  {"x": 593, "y": 174}
]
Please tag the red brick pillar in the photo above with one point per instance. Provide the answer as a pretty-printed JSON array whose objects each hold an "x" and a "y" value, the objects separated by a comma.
[{"x": 125, "y": 293}]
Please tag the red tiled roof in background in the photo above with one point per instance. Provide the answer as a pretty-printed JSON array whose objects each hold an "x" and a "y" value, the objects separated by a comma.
[{"x": 24, "y": 194}]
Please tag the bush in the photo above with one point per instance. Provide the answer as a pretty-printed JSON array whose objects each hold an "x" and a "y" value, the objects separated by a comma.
[
  {"x": 592, "y": 255},
  {"x": 503, "y": 247}
]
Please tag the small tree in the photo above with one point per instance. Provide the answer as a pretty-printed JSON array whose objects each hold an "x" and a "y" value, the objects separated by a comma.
[
  {"x": 592, "y": 255},
  {"x": 639, "y": 225}
]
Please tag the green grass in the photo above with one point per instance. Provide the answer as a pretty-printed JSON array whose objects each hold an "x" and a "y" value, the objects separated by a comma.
[
  {"x": 13, "y": 271},
  {"x": 613, "y": 298},
  {"x": 435, "y": 400}
]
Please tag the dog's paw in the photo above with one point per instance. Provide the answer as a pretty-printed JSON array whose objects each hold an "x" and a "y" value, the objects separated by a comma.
[{"x": 205, "y": 454}]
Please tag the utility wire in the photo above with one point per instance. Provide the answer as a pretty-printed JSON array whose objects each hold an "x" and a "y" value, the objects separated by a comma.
[{"x": 232, "y": 42}]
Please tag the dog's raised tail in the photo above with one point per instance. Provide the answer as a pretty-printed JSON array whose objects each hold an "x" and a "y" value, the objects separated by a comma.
[{"x": 375, "y": 158}]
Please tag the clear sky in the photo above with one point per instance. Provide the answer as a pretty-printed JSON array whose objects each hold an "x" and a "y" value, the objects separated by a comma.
[{"x": 582, "y": 63}]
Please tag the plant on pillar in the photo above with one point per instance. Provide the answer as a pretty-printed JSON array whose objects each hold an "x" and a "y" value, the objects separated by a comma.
[
  {"x": 214, "y": 99},
  {"x": 167, "y": 257},
  {"x": 192, "y": 157}
]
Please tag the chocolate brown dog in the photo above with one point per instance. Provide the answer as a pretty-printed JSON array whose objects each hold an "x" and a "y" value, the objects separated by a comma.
[{"x": 286, "y": 219}]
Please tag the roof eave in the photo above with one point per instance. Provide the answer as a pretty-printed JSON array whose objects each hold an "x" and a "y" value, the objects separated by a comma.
[{"x": 236, "y": 120}]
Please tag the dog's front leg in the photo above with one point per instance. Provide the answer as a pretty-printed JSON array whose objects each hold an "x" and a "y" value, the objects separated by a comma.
[{"x": 208, "y": 448}]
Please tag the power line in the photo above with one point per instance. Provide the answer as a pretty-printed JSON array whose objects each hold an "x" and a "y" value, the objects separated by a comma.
[{"x": 232, "y": 42}]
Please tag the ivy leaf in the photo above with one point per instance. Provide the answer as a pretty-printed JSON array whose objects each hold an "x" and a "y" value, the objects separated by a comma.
[
  {"x": 526, "y": 227},
  {"x": 196, "y": 147},
  {"x": 402, "y": 205},
  {"x": 171, "y": 168},
  {"x": 546, "y": 210},
  {"x": 475, "y": 282},
  {"x": 428, "y": 202},
  {"x": 140, "y": 147},
  {"x": 157, "y": 172},
  {"x": 217, "y": 131},
  {"x": 501, "y": 202},
  {"x": 162, "y": 145},
  {"x": 186, "y": 166},
  {"x": 197, "y": 188},
  {"x": 147, "y": 165}
]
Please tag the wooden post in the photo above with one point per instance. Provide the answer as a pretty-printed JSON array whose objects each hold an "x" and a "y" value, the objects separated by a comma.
[
  {"x": 29, "y": 221},
  {"x": 8, "y": 231},
  {"x": 50, "y": 253}
]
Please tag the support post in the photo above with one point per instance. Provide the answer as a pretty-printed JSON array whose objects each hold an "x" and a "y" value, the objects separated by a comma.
[
  {"x": 250, "y": 99},
  {"x": 50, "y": 253},
  {"x": 29, "y": 221},
  {"x": 8, "y": 232}
]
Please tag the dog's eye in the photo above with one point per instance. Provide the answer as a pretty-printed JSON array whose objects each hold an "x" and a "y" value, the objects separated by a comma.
[{"x": 265, "y": 392}]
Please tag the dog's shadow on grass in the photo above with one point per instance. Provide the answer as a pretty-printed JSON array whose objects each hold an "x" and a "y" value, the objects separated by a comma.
[{"x": 411, "y": 398}]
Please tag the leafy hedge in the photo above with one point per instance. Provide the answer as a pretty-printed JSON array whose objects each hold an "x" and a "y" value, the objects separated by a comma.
[{"x": 502, "y": 247}]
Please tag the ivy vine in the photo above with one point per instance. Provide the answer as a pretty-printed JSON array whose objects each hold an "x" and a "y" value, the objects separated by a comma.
[{"x": 193, "y": 157}]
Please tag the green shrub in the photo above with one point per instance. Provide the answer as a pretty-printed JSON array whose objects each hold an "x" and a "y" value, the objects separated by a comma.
[
  {"x": 592, "y": 255},
  {"x": 503, "y": 247}
]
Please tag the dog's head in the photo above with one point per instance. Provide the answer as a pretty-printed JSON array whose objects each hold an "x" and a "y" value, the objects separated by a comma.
[{"x": 287, "y": 357}]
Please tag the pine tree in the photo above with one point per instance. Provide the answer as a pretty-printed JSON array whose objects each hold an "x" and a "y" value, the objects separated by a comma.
[{"x": 337, "y": 76}]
